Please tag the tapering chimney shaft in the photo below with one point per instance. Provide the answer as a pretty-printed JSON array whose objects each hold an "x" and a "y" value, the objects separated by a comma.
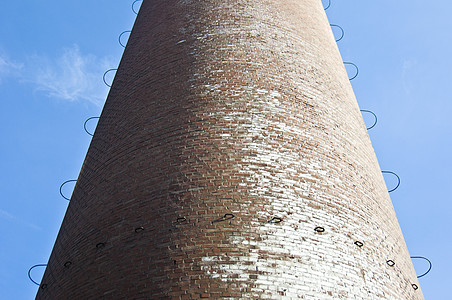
[{"x": 230, "y": 161}]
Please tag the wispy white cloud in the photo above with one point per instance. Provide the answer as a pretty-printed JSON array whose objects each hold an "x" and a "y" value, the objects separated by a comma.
[
  {"x": 407, "y": 71},
  {"x": 8, "y": 67},
  {"x": 72, "y": 76},
  {"x": 11, "y": 218},
  {"x": 6, "y": 215}
]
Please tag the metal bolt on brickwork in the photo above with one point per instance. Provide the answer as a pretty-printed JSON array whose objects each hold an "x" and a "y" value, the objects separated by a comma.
[
  {"x": 228, "y": 216},
  {"x": 359, "y": 244},
  {"x": 275, "y": 220},
  {"x": 415, "y": 287},
  {"x": 390, "y": 263},
  {"x": 181, "y": 220},
  {"x": 224, "y": 218},
  {"x": 67, "y": 264},
  {"x": 100, "y": 245},
  {"x": 139, "y": 229},
  {"x": 319, "y": 229}
]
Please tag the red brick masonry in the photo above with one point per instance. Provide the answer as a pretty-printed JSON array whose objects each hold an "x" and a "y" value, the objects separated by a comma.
[{"x": 230, "y": 134}]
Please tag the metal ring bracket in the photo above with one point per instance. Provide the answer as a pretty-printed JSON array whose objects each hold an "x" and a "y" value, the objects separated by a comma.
[
  {"x": 359, "y": 244},
  {"x": 119, "y": 38},
  {"x": 424, "y": 258},
  {"x": 226, "y": 217},
  {"x": 139, "y": 229},
  {"x": 342, "y": 32},
  {"x": 181, "y": 220},
  {"x": 61, "y": 189},
  {"x": 133, "y": 6},
  {"x": 375, "y": 116},
  {"x": 356, "y": 67},
  {"x": 319, "y": 229},
  {"x": 275, "y": 220},
  {"x": 108, "y": 71},
  {"x": 398, "y": 180},
  {"x": 84, "y": 125},
  {"x": 390, "y": 263},
  {"x": 29, "y": 273}
]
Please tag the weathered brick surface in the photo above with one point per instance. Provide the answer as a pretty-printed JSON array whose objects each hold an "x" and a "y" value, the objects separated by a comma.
[{"x": 231, "y": 131}]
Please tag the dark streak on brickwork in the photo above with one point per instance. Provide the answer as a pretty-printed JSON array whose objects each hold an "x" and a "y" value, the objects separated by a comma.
[{"x": 227, "y": 108}]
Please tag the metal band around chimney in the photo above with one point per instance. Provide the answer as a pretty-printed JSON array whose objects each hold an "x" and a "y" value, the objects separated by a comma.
[
  {"x": 29, "y": 272},
  {"x": 375, "y": 117},
  {"x": 357, "y": 70},
  {"x": 61, "y": 188},
  {"x": 398, "y": 180},
  {"x": 429, "y": 262},
  {"x": 342, "y": 32}
]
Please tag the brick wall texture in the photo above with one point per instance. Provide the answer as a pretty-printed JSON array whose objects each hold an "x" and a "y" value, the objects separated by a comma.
[{"x": 230, "y": 133}]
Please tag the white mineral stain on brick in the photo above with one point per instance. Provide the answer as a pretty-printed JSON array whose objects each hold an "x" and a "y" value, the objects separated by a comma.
[
  {"x": 288, "y": 188},
  {"x": 287, "y": 177},
  {"x": 292, "y": 249},
  {"x": 279, "y": 241}
]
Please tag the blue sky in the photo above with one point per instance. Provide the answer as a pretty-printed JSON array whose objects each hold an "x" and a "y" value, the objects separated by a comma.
[{"x": 52, "y": 58}]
